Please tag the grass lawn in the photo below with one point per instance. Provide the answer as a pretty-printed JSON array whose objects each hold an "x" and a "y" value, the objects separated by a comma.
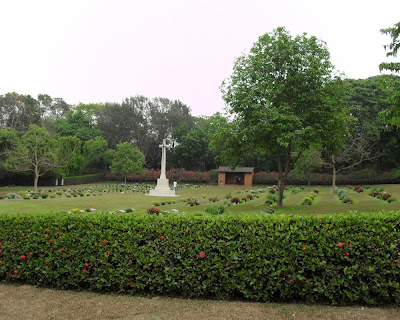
[
  {"x": 30, "y": 302},
  {"x": 325, "y": 202}
]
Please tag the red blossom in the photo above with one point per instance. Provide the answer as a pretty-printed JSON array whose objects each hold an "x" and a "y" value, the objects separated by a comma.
[
  {"x": 320, "y": 218},
  {"x": 58, "y": 232},
  {"x": 395, "y": 261},
  {"x": 30, "y": 254},
  {"x": 324, "y": 262},
  {"x": 291, "y": 281},
  {"x": 228, "y": 262},
  {"x": 304, "y": 249},
  {"x": 86, "y": 264},
  {"x": 51, "y": 240},
  {"x": 306, "y": 281},
  {"x": 72, "y": 251},
  {"x": 0, "y": 261},
  {"x": 84, "y": 270},
  {"x": 23, "y": 257},
  {"x": 131, "y": 284},
  {"x": 1, "y": 251},
  {"x": 340, "y": 245},
  {"x": 0, "y": 244},
  {"x": 101, "y": 261},
  {"x": 47, "y": 230},
  {"x": 202, "y": 255},
  {"x": 162, "y": 237},
  {"x": 46, "y": 263},
  {"x": 104, "y": 240},
  {"x": 15, "y": 271},
  {"x": 90, "y": 225},
  {"x": 61, "y": 250}
]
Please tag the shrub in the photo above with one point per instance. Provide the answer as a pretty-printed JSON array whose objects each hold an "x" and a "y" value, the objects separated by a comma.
[
  {"x": 391, "y": 199},
  {"x": 215, "y": 210},
  {"x": 316, "y": 191},
  {"x": 250, "y": 196},
  {"x": 44, "y": 195},
  {"x": 347, "y": 200},
  {"x": 213, "y": 199},
  {"x": 208, "y": 255},
  {"x": 153, "y": 210},
  {"x": 235, "y": 200},
  {"x": 306, "y": 201},
  {"x": 386, "y": 196}
]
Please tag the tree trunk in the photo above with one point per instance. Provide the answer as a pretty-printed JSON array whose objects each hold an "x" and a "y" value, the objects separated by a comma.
[
  {"x": 35, "y": 183},
  {"x": 125, "y": 179},
  {"x": 282, "y": 177},
  {"x": 309, "y": 181}
]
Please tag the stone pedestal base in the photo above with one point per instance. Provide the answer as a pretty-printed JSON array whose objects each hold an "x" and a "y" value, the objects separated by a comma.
[{"x": 162, "y": 189}]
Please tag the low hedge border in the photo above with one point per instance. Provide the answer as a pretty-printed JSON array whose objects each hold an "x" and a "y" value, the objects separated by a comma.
[
  {"x": 342, "y": 259},
  {"x": 89, "y": 178}
]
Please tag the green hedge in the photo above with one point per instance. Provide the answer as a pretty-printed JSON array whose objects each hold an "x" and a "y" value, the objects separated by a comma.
[
  {"x": 90, "y": 178},
  {"x": 346, "y": 258}
]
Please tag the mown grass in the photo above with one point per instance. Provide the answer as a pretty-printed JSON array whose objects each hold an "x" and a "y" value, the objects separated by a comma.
[
  {"x": 325, "y": 202},
  {"x": 30, "y": 302}
]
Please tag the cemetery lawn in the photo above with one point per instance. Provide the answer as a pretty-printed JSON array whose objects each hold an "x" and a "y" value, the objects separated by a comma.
[
  {"x": 324, "y": 202},
  {"x": 25, "y": 301}
]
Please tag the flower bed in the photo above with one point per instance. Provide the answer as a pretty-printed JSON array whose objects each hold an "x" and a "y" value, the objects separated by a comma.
[{"x": 341, "y": 259}]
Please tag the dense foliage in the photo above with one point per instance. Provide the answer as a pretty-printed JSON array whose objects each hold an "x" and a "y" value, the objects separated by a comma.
[{"x": 341, "y": 259}]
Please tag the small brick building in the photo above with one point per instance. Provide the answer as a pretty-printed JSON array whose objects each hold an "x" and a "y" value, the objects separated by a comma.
[{"x": 237, "y": 176}]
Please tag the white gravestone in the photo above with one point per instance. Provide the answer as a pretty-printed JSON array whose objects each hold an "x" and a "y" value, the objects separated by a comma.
[{"x": 162, "y": 189}]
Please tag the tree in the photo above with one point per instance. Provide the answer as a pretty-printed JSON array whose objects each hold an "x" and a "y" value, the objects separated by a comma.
[
  {"x": 309, "y": 161},
  {"x": 365, "y": 99},
  {"x": 127, "y": 159},
  {"x": 392, "y": 115},
  {"x": 36, "y": 152},
  {"x": 280, "y": 97},
  {"x": 354, "y": 152},
  {"x": 192, "y": 151},
  {"x": 69, "y": 153},
  {"x": 93, "y": 152}
]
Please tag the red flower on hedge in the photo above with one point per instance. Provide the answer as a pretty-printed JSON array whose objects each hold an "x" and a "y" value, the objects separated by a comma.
[
  {"x": 324, "y": 262},
  {"x": 340, "y": 245},
  {"x": 86, "y": 264},
  {"x": 84, "y": 270},
  {"x": 61, "y": 250},
  {"x": 23, "y": 257},
  {"x": 162, "y": 237},
  {"x": 291, "y": 281},
  {"x": 101, "y": 261},
  {"x": 0, "y": 244},
  {"x": 395, "y": 261},
  {"x": 104, "y": 240},
  {"x": 51, "y": 240},
  {"x": 202, "y": 255},
  {"x": 46, "y": 263},
  {"x": 47, "y": 230},
  {"x": 1, "y": 251},
  {"x": 304, "y": 249},
  {"x": 0, "y": 261},
  {"x": 306, "y": 281},
  {"x": 30, "y": 254},
  {"x": 320, "y": 218}
]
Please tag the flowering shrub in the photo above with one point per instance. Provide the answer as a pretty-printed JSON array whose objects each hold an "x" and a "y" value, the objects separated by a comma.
[
  {"x": 153, "y": 211},
  {"x": 208, "y": 255},
  {"x": 178, "y": 175},
  {"x": 366, "y": 176},
  {"x": 235, "y": 200}
]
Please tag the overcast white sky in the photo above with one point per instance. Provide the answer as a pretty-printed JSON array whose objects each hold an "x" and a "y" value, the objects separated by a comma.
[{"x": 103, "y": 50}]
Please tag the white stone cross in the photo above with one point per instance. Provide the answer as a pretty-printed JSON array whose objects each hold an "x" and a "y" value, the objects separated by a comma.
[{"x": 163, "y": 147}]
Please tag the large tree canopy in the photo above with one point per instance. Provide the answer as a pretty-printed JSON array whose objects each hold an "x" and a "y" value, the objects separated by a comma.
[
  {"x": 392, "y": 115},
  {"x": 281, "y": 97}
]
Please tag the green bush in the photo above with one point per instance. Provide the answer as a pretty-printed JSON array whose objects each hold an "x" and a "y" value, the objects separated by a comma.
[
  {"x": 341, "y": 259},
  {"x": 306, "y": 201},
  {"x": 215, "y": 210}
]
